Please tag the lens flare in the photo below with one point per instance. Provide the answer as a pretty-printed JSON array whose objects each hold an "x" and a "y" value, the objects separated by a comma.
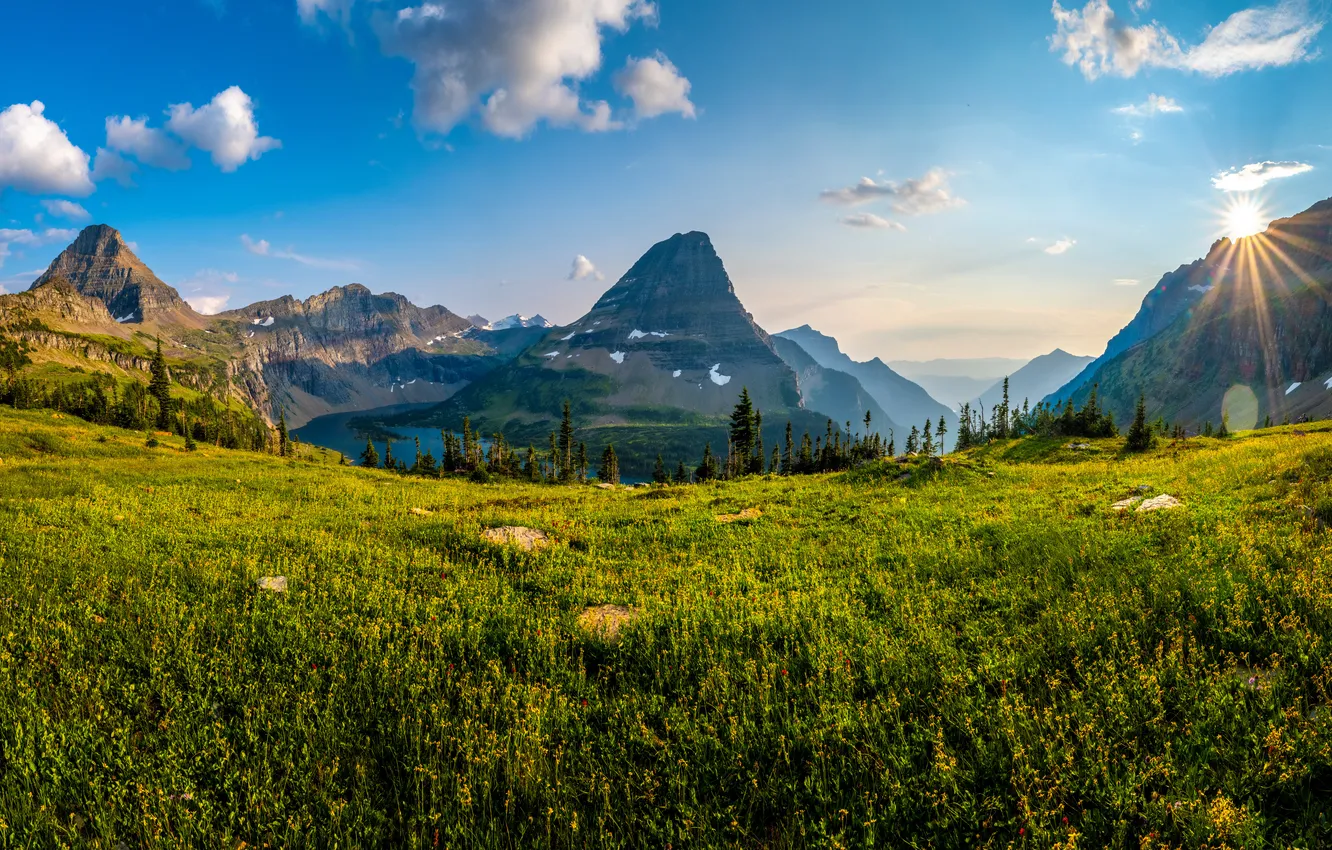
[
  {"x": 1240, "y": 408},
  {"x": 1245, "y": 217}
]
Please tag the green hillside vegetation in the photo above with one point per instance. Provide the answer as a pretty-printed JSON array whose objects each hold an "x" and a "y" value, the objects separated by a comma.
[{"x": 967, "y": 651}]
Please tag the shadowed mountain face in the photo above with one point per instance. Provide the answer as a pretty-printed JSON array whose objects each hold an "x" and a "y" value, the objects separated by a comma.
[
  {"x": 1174, "y": 294},
  {"x": 906, "y": 403},
  {"x": 833, "y": 393},
  {"x": 100, "y": 265},
  {"x": 1255, "y": 342}
]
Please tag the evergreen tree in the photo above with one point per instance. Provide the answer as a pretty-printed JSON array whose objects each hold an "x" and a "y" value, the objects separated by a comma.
[
  {"x": 707, "y": 470},
  {"x": 1139, "y": 435},
  {"x": 756, "y": 462},
  {"x": 416, "y": 465},
  {"x": 775, "y": 467},
  {"x": 581, "y": 463},
  {"x": 530, "y": 469},
  {"x": 681, "y": 474},
  {"x": 609, "y": 473},
  {"x": 788, "y": 460},
  {"x": 564, "y": 464},
  {"x": 927, "y": 440},
  {"x": 284, "y": 440},
  {"x": 964, "y": 435},
  {"x": 190, "y": 445},
  {"x": 913, "y": 441},
  {"x": 1225, "y": 426},
  {"x": 892, "y": 443},
  {"x": 742, "y": 433},
  {"x": 553, "y": 473},
  {"x": 159, "y": 387},
  {"x": 939, "y": 433},
  {"x": 659, "y": 475},
  {"x": 388, "y": 454}
]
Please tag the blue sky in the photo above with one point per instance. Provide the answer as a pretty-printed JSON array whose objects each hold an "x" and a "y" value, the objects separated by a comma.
[{"x": 921, "y": 180}]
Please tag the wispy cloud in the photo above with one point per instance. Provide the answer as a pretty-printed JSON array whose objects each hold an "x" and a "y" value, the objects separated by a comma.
[
  {"x": 66, "y": 209},
  {"x": 1126, "y": 281},
  {"x": 1256, "y": 175},
  {"x": 263, "y": 248},
  {"x": 929, "y": 193},
  {"x": 1154, "y": 105},
  {"x": 1062, "y": 246},
  {"x": 870, "y": 221},
  {"x": 1098, "y": 43}
]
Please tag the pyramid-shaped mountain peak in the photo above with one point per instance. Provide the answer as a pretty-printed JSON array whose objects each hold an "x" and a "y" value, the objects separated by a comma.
[{"x": 100, "y": 264}]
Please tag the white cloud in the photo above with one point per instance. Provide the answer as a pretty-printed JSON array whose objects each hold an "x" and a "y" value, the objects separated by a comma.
[
  {"x": 1062, "y": 246},
  {"x": 1256, "y": 175},
  {"x": 655, "y": 86},
  {"x": 927, "y": 194},
  {"x": 27, "y": 238},
  {"x": 309, "y": 10},
  {"x": 37, "y": 157},
  {"x": 110, "y": 165},
  {"x": 583, "y": 269},
  {"x": 263, "y": 248},
  {"x": 1126, "y": 281},
  {"x": 225, "y": 127},
  {"x": 1154, "y": 105},
  {"x": 66, "y": 209},
  {"x": 870, "y": 221},
  {"x": 1098, "y": 43},
  {"x": 515, "y": 63},
  {"x": 149, "y": 145}
]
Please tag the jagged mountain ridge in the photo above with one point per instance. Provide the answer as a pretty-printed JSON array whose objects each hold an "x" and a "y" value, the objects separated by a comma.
[
  {"x": 904, "y": 401},
  {"x": 1262, "y": 334},
  {"x": 831, "y": 392}
]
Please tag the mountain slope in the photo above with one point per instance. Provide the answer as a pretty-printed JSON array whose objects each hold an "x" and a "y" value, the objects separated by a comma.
[
  {"x": 828, "y": 391},
  {"x": 1260, "y": 337},
  {"x": 1036, "y": 380},
  {"x": 1174, "y": 294},
  {"x": 905, "y": 402}
]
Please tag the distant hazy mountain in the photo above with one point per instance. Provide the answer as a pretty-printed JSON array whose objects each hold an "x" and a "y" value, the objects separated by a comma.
[
  {"x": 518, "y": 321},
  {"x": 951, "y": 381},
  {"x": 831, "y": 392},
  {"x": 1246, "y": 331},
  {"x": 1035, "y": 380},
  {"x": 905, "y": 402}
]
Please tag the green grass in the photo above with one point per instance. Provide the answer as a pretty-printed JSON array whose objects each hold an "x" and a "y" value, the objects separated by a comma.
[{"x": 981, "y": 655}]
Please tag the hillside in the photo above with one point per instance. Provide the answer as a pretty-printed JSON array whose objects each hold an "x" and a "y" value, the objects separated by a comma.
[
  {"x": 985, "y": 655},
  {"x": 1257, "y": 343},
  {"x": 833, "y": 393}
]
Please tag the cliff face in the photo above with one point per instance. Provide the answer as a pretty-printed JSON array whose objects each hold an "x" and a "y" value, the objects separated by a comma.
[
  {"x": 100, "y": 265},
  {"x": 57, "y": 303}
]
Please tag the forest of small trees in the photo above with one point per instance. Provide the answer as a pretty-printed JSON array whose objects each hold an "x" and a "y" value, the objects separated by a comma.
[{"x": 103, "y": 400}]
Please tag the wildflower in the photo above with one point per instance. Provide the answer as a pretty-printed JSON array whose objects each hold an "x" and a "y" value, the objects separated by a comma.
[
  {"x": 584, "y": 703},
  {"x": 1022, "y": 830},
  {"x": 1065, "y": 820},
  {"x": 783, "y": 672}
]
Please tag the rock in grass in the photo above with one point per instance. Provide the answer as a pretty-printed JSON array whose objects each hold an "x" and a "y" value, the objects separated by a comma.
[
  {"x": 1126, "y": 503},
  {"x": 606, "y": 620},
  {"x": 422, "y": 512},
  {"x": 1160, "y": 503},
  {"x": 274, "y": 584},
  {"x": 604, "y": 486},
  {"x": 747, "y": 513},
  {"x": 525, "y": 538}
]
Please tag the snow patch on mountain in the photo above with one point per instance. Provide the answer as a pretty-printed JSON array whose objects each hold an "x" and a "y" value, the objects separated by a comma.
[
  {"x": 717, "y": 377},
  {"x": 1292, "y": 388},
  {"x": 617, "y": 356}
]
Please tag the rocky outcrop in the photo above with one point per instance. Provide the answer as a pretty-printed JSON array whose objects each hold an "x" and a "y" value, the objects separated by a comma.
[
  {"x": 55, "y": 302},
  {"x": 100, "y": 265}
]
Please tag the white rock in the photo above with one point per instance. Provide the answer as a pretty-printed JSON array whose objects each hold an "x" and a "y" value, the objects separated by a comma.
[
  {"x": 1126, "y": 504},
  {"x": 1160, "y": 503}
]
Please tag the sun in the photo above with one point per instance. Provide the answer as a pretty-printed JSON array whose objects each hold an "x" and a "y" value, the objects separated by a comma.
[{"x": 1245, "y": 218}]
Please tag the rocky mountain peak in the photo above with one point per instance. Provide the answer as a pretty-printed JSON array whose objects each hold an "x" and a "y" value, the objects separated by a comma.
[{"x": 99, "y": 264}]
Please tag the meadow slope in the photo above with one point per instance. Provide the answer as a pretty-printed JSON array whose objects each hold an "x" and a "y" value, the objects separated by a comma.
[{"x": 982, "y": 655}]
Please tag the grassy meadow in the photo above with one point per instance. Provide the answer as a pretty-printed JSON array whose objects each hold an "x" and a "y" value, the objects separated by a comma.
[{"x": 977, "y": 655}]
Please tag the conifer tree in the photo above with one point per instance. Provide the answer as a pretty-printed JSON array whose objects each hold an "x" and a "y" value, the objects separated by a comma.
[
  {"x": 190, "y": 445},
  {"x": 659, "y": 475},
  {"x": 756, "y": 463},
  {"x": 284, "y": 440},
  {"x": 939, "y": 433},
  {"x": 1139, "y": 435},
  {"x": 581, "y": 463},
  {"x": 159, "y": 387},
  {"x": 964, "y": 435},
  {"x": 416, "y": 466},
  {"x": 775, "y": 466},
  {"x": 564, "y": 465},
  {"x": 805, "y": 464},
  {"x": 707, "y": 469},
  {"x": 530, "y": 469},
  {"x": 742, "y": 433},
  {"x": 609, "y": 473},
  {"x": 388, "y": 454},
  {"x": 553, "y": 473},
  {"x": 913, "y": 441},
  {"x": 1225, "y": 426},
  {"x": 681, "y": 474},
  {"x": 788, "y": 460},
  {"x": 927, "y": 439},
  {"x": 892, "y": 443}
]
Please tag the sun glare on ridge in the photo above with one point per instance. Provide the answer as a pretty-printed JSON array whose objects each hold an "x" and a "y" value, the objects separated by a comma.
[{"x": 1244, "y": 217}]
